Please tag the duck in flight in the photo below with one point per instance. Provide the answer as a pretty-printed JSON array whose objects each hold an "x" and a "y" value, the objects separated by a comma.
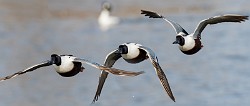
[
  {"x": 191, "y": 43},
  {"x": 68, "y": 66},
  {"x": 133, "y": 53}
]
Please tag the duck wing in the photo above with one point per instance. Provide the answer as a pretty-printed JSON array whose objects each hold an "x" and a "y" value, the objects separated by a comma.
[{"x": 159, "y": 71}]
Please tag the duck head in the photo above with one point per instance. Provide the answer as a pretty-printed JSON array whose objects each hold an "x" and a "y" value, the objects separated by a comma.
[
  {"x": 106, "y": 6},
  {"x": 179, "y": 40},
  {"x": 56, "y": 59}
]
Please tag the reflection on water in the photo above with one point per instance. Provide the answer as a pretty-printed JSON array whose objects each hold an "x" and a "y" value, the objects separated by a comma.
[{"x": 32, "y": 30}]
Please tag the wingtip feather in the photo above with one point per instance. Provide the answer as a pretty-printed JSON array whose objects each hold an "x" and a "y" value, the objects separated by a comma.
[{"x": 151, "y": 14}]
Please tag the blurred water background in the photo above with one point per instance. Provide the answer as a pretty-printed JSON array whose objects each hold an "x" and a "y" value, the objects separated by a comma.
[{"x": 31, "y": 30}]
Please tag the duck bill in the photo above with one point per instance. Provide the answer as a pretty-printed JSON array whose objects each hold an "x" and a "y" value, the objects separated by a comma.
[
  {"x": 118, "y": 51},
  {"x": 176, "y": 42}
]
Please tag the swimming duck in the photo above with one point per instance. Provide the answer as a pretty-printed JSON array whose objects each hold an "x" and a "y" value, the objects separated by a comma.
[
  {"x": 105, "y": 20},
  {"x": 191, "y": 43}
]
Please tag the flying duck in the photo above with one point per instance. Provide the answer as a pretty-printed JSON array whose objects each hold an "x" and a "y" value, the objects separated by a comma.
[
  {"x": 190, "y": 43},
  {"x": 105, "y": 20},
  {"x": 133, "y": 53},
  {"x": 68, "y": 66}
]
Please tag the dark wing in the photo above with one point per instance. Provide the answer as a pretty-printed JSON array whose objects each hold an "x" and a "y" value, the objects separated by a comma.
[
  {"x": 159, "y": 71},
  {"x": 110, "y": 60},
  {"x": 218, "y": 19},
  {"x": 178, "y": 29},
  {"x": 32, "y": 68}
]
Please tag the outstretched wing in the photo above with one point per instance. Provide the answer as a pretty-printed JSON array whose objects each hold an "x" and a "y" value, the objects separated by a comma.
[
  {"x": 105, "y": 74},
  {"x": 218, "y": 19},
  {"x": 110, "y": 70},
  {"x": 178, "y": 29},
  {"x": 159, "y": 71},
  {"x": 32, "y": 68},
  {"x": 110, "y": 60}
]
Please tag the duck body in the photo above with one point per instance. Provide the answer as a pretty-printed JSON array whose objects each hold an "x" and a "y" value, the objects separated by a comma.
[
  {"x": 68, "y": 67},
  {"x": 131, "y": 53},
  {"x": 188, "y": 45}
]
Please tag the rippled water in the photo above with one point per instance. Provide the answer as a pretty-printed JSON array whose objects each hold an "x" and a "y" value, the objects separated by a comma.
[{"x": 32, "y": 30}]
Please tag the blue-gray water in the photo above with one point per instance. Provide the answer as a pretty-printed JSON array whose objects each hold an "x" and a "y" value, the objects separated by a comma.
[{"x": 30, "y": 31}]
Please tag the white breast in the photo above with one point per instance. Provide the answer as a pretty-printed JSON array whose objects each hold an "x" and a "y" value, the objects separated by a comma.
[
  {"x": 133, "y": 51},
  {"x": 66, "y": 64},
  {"x": 189, "y": 43}
]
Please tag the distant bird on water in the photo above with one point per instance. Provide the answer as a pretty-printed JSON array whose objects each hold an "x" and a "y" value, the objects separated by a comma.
[
  {"x": 133, "y": 53},
  {"x": 68, "y": 66},
  {"x": 191, "y": 43},
  {"x": 105, "y": 20}
]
